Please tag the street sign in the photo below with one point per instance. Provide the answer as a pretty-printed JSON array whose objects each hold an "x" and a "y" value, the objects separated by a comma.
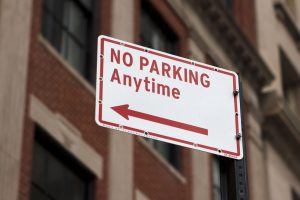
[{"x": 168, "y": 98}]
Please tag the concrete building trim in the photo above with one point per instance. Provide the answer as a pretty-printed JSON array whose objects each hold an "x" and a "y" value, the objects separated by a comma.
[
  {"x": 248, "y": 101},
  {"x": 281, "y": 126},
  {"x": 139, "y": 195},
  {"x": 15, "y": 20},
  {"x": 201, "y": 176},
  {"x": 256, "y": 172},
  {"x": 202, "y": 38},
  {"x": 285, "y": 15},
  {"x": 288, "y": 9},
  {"x": 199, "y": 34},
  {"x": 67, "y": 135},
  {"x": 120, "y": 166},
  {"x": 270, "y": 44},
  {"x": 280, "y": 119},
  {"x": 282, "y": 181},
  {"x": 254, "y": 131},
  {"x": 163, "y": 161},
  {"x": 121, "y": 146},
  {"x": 241, "y": 51},
  {"x": 256, "y": 158},
  {"x": 66, "y": 65}
]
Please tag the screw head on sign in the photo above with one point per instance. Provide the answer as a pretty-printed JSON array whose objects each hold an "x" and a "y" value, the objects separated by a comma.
[
  {"x": 219, "y": 150},
  {"x": 216, "y": 69},
  {"x": 101, "y": 78},
  {"x": 146, "y": 133},
  {"x": 195, "y": 145},
  {"x": 120, "y": 126},
  {"x": 238, "y": 136},
  {"x": 101, "y": 56},
  {"x": 122, "y": 44},
  {"x": 236, "y": 114},
  {"x": 235, "y": 93},
  {"x": 100, "y": 101}
]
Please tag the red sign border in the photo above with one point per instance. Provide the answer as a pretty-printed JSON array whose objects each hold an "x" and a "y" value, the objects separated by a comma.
[{"x": 165, "y": 55}]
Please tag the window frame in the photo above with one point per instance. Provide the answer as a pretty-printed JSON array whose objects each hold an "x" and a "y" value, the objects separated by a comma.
[
  {"x": 42, "y": 138},
  {"x": 91, "y": 36},
  {"x": 178, "y": 29},
  {"x": 163, "y": 28},
  {"x": 175, "y": 24},
  {"x": 295, "y": 195},
  {"x": 228, "y": 4},
  {"x": 289, "y": 82}
]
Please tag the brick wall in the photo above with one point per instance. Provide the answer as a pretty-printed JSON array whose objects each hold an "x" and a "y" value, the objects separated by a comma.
[
  {"x": 53, "y": 84},
  {"x": 154, "y": 178},
  {"x": 244, "y": 14}
]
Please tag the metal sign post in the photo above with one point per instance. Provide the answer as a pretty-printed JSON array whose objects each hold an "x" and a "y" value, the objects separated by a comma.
[
  {"x": 240, "y": 166},
  {"x": 234, "y": 183}
]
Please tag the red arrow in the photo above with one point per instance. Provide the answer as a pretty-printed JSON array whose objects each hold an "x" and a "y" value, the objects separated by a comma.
[{"x": 125, "y": 112}]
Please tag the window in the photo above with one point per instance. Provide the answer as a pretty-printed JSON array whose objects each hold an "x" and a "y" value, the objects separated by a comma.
[
  {"x": 216, "y": 176},
  {"x": 169, "y": 151},
  {"x": 55, "y": 175},
  {"x": 66, "y": 24},
  {"x": 295, "y": 195},
  {"x": 290, "y": 83},
  {"x": 156, "y": 34},
  {"x": 228, "y": 4}
]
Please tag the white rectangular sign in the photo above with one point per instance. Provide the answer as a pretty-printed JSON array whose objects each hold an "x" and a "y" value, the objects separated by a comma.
[{"x": 165, "y": 97}]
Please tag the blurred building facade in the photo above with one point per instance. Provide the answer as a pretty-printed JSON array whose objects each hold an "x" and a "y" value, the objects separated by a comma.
[{"x": 50, "y": 146}]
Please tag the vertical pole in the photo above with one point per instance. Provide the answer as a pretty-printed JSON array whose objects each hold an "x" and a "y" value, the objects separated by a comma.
[
  {"x": 233, "y": 173},
  {"x": 240, "y": 166}
]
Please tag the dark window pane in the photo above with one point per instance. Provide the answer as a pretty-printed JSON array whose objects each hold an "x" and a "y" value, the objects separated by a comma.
[
  {"x": 295, "y": 195},
  {"x": 75, "y": 55},
  {"x": 55, "y": 7},
  {"x": 65, "y": 26},
  {"x": 76, "y": 22},
  {"x": 74, "y": 187},
  {"x": 52, "y": 30},
  {"x": 40, "y": 160},
  {"x": 87, "y": 3},
  {"x": 55, "y": 179},
  {"x": 228, "y": 4},
  {"x": 217, "y": 194},
  {"x": 163, "y": 148},
  {"x": 64, "y": 45},
  {"x": 154, "y": 35},
  {"x": 169, "y": 151},
  {"x": 36, "y": 194}
]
